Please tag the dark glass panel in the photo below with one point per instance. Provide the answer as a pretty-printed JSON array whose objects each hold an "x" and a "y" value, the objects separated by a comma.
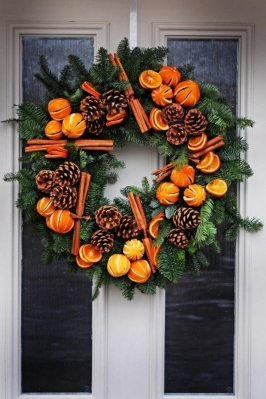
[
  {"x": 56, "y": 304},
  {"x": 199, "y": 330}
]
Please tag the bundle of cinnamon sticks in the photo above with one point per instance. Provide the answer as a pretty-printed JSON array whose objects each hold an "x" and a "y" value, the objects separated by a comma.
[
  {"x": 85, "y": 144},
  {"x": 211, "y": 145},
  {"x": 142, "y": 224},
  {"x": 134, "y": 104},
  {"x": 84, "y": 184}
]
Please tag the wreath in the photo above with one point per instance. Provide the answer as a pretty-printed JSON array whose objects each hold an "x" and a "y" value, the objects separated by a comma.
[{"x": 151, "y": 235}]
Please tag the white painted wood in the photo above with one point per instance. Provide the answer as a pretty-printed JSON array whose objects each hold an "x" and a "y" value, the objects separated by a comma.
[{"x": 128, "y": 337}]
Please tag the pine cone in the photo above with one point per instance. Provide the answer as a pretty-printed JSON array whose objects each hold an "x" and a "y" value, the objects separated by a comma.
[
  {"x": 67, "y": 174},
  {"x": 178, "y": 238},
  {"x": 45, "y": 180},
  {"x": 64, "y": 197},
  {"x": 186, "y": 218},
  {"x": 92, "y": 108},
  {"x": 103, "y": 240},
  {"x": 176, "y": 134},
  {"x": 114, "y": 101},
  {"x": 195, "y": 122},
  {"x": 107, "y": 217},
  {"x": 127, "y": 228},
  {"x": 172, "y": 113},
  {"x": 95, "y": 127}
]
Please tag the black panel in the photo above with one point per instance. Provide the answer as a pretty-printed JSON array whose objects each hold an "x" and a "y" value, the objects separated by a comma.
[
  {"x": 56, "y": 304},
  {"x": 199, "y": 342}
]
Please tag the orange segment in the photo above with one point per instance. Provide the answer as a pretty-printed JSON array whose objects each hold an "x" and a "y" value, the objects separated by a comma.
[
  {"x": 82, "y": 263},
  {"x": 217, "y": 187},
  {"x": 205, "y": 161},
  {"x": 150, "y": 79},
  {"x": 214, "y": 166},
  {"x": 88, "y": 253},
  {"x": 198, "y": 142},
  {"x": 154, "y": 224},
  {"x": 156, "y": 121}
]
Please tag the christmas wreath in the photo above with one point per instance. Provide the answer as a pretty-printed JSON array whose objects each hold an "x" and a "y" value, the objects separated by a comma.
[{"x": 152, "y": 234}]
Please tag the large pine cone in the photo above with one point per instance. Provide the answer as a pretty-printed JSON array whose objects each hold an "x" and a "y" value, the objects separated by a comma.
[
  {"x": 114, "y": 101},
  {"x": 103, "y": 240},
  {"x": 64, "y": 197},
  {"x": 45, "y": 180},
  {"x": 107, "y": 217},
  {"x": 95, "y": 127},
  {"x": 92, "y": 108},
  {"x": 176, "y": 134},
  {"x": 195, "y": 122},
  {"x": 186, "y": 218},
  {"x": 178, "y": 238},
  {"x": 172, "y": 113},
  {"x": 67, "y": 174},
  {"x": 127, "y": 228}
]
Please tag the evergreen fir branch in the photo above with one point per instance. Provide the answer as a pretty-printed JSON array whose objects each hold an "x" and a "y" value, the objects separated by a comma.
[
  {"x": 235, "y": 171},
  {"x": 147, "y": 288},
  {"x": 186, "y": 71},
  {"x": 243, "y": 122},
  {"x": 170, "y": 210},
  {"x": 165, "y": 227},
  {"x": 206, "y": 230},
  {"x": 47, "y": 257},
  {"x": 33, "y": 119},
  {"x": 234, "y": 146},
  {"x": 181, "y": 157},
  {"x": 172, "y": 262},
  {"x": 79, "y": 69}
]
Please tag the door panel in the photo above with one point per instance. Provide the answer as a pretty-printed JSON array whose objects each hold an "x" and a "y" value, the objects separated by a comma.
[{"x": 128, "y": 340}]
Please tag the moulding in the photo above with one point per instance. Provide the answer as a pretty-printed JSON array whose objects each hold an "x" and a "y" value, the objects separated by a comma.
[
  {"x": 16, "y": 30},
  {"x": 244, "y": 33}
]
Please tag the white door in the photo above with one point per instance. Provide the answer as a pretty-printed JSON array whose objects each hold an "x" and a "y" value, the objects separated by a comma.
[{"x": 128, "y": 337}]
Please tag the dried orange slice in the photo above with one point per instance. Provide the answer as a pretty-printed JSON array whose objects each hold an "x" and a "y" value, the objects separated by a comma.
[
  {"x": 82, "y": 263},
  {"x": 88, "y": 253},
  {"x": 155, "y": 253},
  {"x": 156, "y": 121},
  {"x": 217, "y": 187},
  {"x": 150, "y": 79},
  {"x": 196, "y": 143},
  {"x": 214, "y": 166},
  {"x": 154, "y": 224},
  {"x": 205, "y": 161}
]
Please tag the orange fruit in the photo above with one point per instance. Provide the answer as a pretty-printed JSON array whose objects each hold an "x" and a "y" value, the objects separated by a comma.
[
  {"x": 170, "y": 75},
  {"x": 139, "y": 271},
  {"x": 133, "y": 249},
  {"x": 167, "y": 193},
  {"x": 59, "y": 108},
  {"x": 154, "y": 224},
  {"x": 156, "y": 121},
  {"x": 162, "y": 95},
  {"x": 82, "y": 263},
  {"x": 187, "y": 93},
  {"x": 184, "y": 176},
  {"x": 88, "y": 253},
  {"x": 215, "y": 165},
  {"x": 205, "y": 161},
  {"x": 118, "y": 265},
  {"x": 194, "y": 195},
  {"x": 150, "y": 79},
  {"x": 155, "y": 253},
  {"x": 217, "y": 187},
  {"x": 196, "y": 143},
  {"x": 73, "y": 125},
  {"x": 60, "y": 221},
  {"x": 53, "y": 130},
  {"x": 45, "y": 207}
]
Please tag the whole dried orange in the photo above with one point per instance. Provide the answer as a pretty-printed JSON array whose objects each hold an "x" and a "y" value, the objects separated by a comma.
[
  {"x": 194, "y": 195},
  {"x": 196, "y": 143},
  {"x": 156, "y": 121},
  {"x": 89, "y": 253},
  {"x": 214, "y": 165},
  {"x": 170, "y": 75},
  {"x": 155, "y": 223},
  {"x": 162, "y": 95},
  {"x": 139, "y": 271},
  {"x": 150, "y": 79},
  {"x": 167, "y": 193},
  {"x": 82, "y": 263},
  {"x": 133, "y": 249},
  {"x": 217, "y": 187},
  {"x": 184, "y": 176}
]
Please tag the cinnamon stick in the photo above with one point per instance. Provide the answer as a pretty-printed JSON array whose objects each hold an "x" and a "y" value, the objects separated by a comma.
[
  {"x": 85, "y": 179},
  {"x": 163, "y": 176},
  {"x": 163, "y": 169},
  {"x": 207, "y": 149}
]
